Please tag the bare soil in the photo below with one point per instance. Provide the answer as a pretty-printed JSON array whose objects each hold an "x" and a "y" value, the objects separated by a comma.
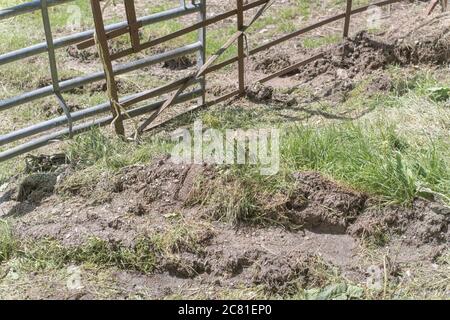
[
  {"x": 328, "y": 223},
  {"x": 365, "y": 56}
]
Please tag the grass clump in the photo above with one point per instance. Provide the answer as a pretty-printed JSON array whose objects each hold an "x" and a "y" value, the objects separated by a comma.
[
  {"x": 94, "y": 155},
  {"x": 372, "y": 157},
  {"x": 50, "y": 254},
  {"x": 177, "y": 239},
  {"x": 242, "y": 195},
  {"x": 143, "y": 255},
  {"x": 8, "y": 244},
  {"x": 95, "y": 148}
]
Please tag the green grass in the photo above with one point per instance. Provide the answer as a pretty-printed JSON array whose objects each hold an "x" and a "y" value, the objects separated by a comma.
[
  {"x": 143, "y": 256},
  {"x": 95, "y": 148},
  {"x": 8, "y": 244},
  {"x": 243, "y": 195},
  {"x": 51, "y": 254},
  {"x": 370, "y": 157},
  {"x": 316, "y": 42}
]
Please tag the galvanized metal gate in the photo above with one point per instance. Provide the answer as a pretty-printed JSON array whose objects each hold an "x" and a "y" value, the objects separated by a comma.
[{"x": 121, "y": 109}]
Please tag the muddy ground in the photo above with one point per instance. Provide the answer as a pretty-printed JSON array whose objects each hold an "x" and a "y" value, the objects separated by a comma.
[
  {"x": 323, "y": 225},
  {"x": 364, "y": 56}
]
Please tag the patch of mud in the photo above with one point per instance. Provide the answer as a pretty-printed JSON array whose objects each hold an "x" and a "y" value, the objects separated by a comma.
[
  {"x": 425, "y": 222},
  {"x": 260, "y": 93},
  {"x": 428, "y": 43},
  {"x": 36, "y": 187},
  {"x": 324, "y": 206},
  {"x": 180, "y": 63},
  {"x": 368, "y": 55},
  {"x": 367, "y": 52},
  {"x": 148, "y": 200},
  {"x": 363, "y": 57},
  {"x": 83, "y": 56},
  {"x": 164, "y": 189},
  {"x": 271, "y": 62}
]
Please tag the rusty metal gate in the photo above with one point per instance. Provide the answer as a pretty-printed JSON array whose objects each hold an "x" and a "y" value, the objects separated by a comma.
[{"x": 121, "y": 108}]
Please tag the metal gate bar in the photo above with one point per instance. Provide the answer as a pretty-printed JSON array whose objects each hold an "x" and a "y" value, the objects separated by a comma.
[
  {"x": 44, "y": 140},
  {"x": 85, "y": 113},
  {"x": 94, "y": 77},
  {"x": 52, "y": 63},
  {"x": 88, "y": 35}
]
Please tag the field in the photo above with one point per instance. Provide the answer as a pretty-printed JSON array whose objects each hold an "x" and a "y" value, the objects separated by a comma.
[{"x": 360, "y": 205}]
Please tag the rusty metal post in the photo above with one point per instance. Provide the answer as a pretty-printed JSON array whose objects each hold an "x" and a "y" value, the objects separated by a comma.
[
  {"x": 132, "y": 25},
  {"x": 348, "y": 14},
  {"x": 107, "y": 64},
  {"x": 241, "y": 53}
]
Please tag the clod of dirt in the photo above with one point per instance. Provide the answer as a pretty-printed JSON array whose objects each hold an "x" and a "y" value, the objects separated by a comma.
[
  {"x": 180, "y": 63},
  {"x": 260, "y": 93},
  {"x": 84, "y": 56},
  {"x": 283, "y": 274},
  {"x": 164, "y": 183},
  {"x": 232, "y": 263},
  {"x": 103, "y": 87},
  {"x": 45, "y": 163},
  {"x": 380, "y": 83},
  {"x": 95, "y": 192},
  {"x": 271, "y": 63},
  {"x": 425, "y": 222},
  {"x": 46, "y": 81},
  {"x": 185, "y": 265},
  {"x": 36, "y": 187},
  {"x": 324, "y": 206},
  {"x": 53, "y": 108},
  {"x": 257, "y": 92}
]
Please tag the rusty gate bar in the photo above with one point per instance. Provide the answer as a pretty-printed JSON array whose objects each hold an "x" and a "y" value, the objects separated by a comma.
[
  {"x": 201, "y": 57},
  {"x": 105, "y": 57},
  {"x": 132, "y": 24},
  {"x": 348, "y": 14}
]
